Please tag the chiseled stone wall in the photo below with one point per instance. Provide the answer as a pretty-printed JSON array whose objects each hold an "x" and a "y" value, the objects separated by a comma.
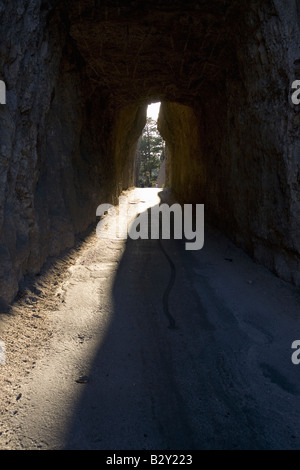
[
  {"x": 62, "y": 145},
  {"x": 252, "y": 137},
  {"x": 241, "y": 143}
]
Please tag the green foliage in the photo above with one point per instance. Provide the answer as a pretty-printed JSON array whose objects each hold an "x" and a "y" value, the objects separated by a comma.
[{"x": 152, "y": 154}]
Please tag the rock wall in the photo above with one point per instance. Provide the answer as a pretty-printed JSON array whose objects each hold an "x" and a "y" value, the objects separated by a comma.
[
  {"x": 241, "y": 143},
  {"x": 62, "y": 144},
  {"x": 29, "y": 64},
  {"x": 253, "y": 168},
  {"x": 185, "y": 161}
]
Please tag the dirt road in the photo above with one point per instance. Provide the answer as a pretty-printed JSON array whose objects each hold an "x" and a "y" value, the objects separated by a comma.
[{"x": 144, "y": 345}]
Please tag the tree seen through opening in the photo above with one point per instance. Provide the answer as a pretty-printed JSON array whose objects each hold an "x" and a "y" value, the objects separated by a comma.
[{"x": 150, "y": 155}]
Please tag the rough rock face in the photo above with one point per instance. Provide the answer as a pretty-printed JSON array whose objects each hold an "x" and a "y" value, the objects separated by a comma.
[
  {"x": 186, "y": 169},
  {"x": 79, "y": 76},
  {"x": 63, "y": 149},
  {"x": 245, "y": 164}
]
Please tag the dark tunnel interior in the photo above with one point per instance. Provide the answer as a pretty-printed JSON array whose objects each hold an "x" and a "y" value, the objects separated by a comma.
[{"x": 79, "y": 80}]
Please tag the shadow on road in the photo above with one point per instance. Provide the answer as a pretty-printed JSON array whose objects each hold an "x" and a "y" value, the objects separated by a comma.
[
  {"x": 132, "y": 400},
  {"x": 183, "y": 364}
]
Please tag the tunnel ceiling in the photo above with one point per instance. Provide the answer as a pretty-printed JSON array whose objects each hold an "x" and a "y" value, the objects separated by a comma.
[{"x": 169, "y": 50}]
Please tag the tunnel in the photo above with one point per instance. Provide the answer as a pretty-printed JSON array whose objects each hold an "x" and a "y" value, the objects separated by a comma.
[{"x": 79, "y": 77}]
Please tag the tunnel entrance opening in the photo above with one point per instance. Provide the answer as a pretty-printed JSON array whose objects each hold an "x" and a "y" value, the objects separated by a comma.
[
  {"x": 151, "y": 152},
  {"x": 153, "y": 110}
]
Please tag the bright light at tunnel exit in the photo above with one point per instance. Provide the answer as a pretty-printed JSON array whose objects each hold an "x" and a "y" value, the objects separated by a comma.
[{"x": 153, "y": 111}]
